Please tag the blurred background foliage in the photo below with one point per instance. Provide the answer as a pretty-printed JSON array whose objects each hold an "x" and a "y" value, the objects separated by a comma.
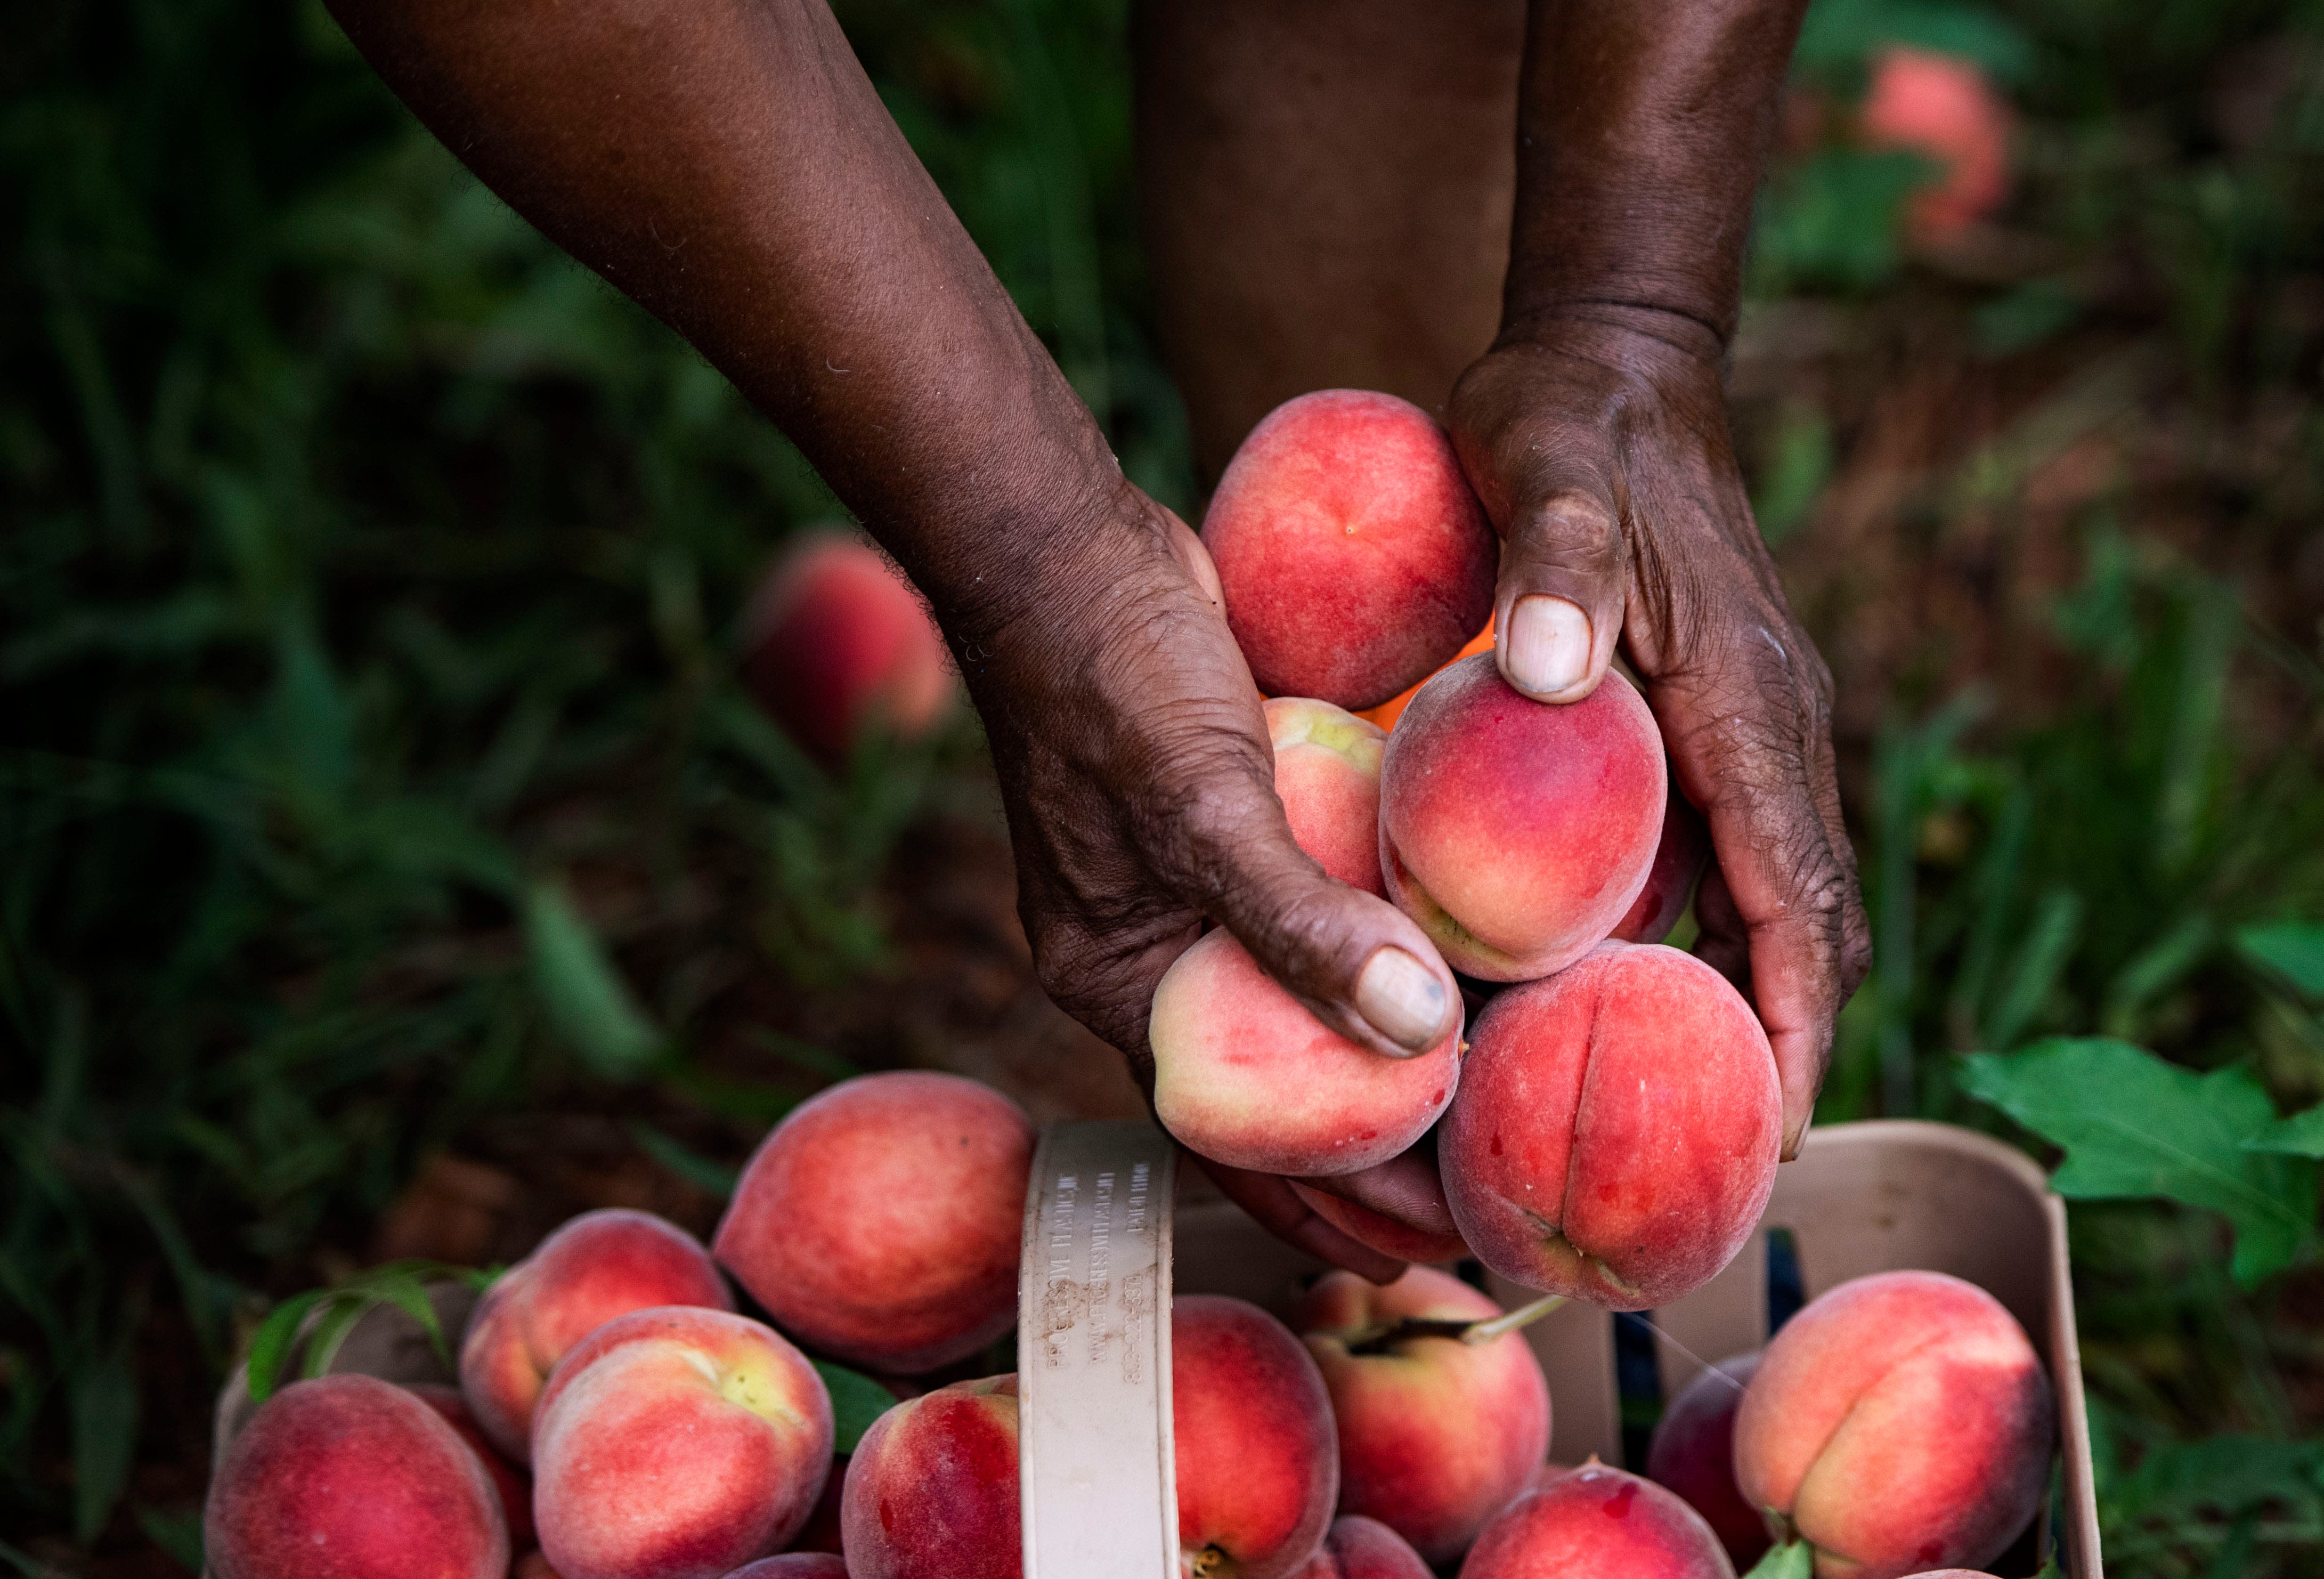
[{"x": 376, "y": 795}]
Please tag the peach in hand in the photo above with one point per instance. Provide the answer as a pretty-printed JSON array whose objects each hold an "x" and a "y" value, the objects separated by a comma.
[
  {"x": 880, "y": 1222},
  {"x": 836, "y": 642},
  {"x": 596, "y": 1267},
  {"x": 1594, "y": 1522},
  {"x": 1384, "y": 1233},
  {"x": 352, "y": 1477},
  {"x": 1356, "y": 1548},
  {"x": 1258, "y": 1469},
  {"x": 1327, "y": 767},
  {"x": 1435, "y": 1436},
  {"x": 677, "y": 1442},
  {"x": 932, "y": 1488},
  {"x": 1680, "y": 856},
  {"x": 1900, "y": 1421},
  {"x": 1353, "y": 557},
  {"x": 1245, "y": 1074},
  {"x": 1616, "y": 1132},
  {"x": 1517, "y": 833},
  {"x": 1694, "y": 1453}
]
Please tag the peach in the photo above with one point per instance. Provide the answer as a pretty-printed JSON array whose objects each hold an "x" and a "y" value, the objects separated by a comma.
[
  {"x": 1435, "y": 1436},
  {"x": 677, "y": 1442},
  {"x": 349, "y": 1477},
  {"x": 1327, "y": 763},
  {"x": 1694, "y": 1453},
  {"x": 509, "y": 1483},
  {"x": 1616, "y": 1132},
  {"x": 836, "y": 642},
  {"x": 1388, "y": 712},
  {"x": 880, "y": 1222},
  {"x": 794, "y": 1565},
  {"x": 1383, "y": 1233},
  {"x": 1681, "y": 853},
  {"x": 1516, "y": 833},
  {"x": 1356, "y": 1548},
  {"x": 1595, "y": 1521},
  {"x": 1943, "y": 107},
  {"x": 1901, "y": 1421},
  {"x": 1258, "y": 1469},
  {"x": 932, "y": 1488},
  {"x": 533, "y": 1566},
  {"x": 1245, "y": 1074},
  {"x": 596, "y": 1267},
  {"x": 821, "y": 1531},
  {"x": 1352, "y": 555}
]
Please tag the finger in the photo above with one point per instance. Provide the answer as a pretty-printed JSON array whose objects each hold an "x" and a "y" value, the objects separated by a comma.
[
  {"x": 1408, "y": 1188},
  {"x": 1557, "y": 610},
  {"x": 1270, "y": 1203},
  {"x": 1722, "y": 941}
]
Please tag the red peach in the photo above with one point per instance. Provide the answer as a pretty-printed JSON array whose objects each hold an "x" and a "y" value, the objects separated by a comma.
[
  {"x": 1517, "y": 833},
  {"x": 1694, "y": 1453},
  {"x": 794, "y": 1565},
  {"x": 880, "y": 1222},
  {"x": 1616, "y": 1132},
  {"x": 1388, "y": 712},
  {"x": 1353, "y": 556},
  {"x": 1435, "y": 1436},
  {"x": 509, "y": 1483},
  {"x": 1245, "y": 1074},
  {"x": 932, "y": 1490},
  {"x": 677, "y": 1442},
  {"x": 598, "y": 1266},
  {"x": 1258, "y": 1470},
  {"x": 1327, "y": 763},
  {"x": 1900, "y": 1421},
  {"x": 1680, "y": 856},
  {"x": 1596, "y": 1522},
  {"x": 835, "y": 642},
  {"x": 821, "y": 1531},
  {"x": 1383, "y": 1233},
  {"x": 349, "y": 1477},
  {"x": 1941, "y": 106},
  {"x": 1356, "y": 1548}
]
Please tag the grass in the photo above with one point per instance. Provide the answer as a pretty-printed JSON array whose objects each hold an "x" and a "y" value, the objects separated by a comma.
[{"x": 374, "y": 766}]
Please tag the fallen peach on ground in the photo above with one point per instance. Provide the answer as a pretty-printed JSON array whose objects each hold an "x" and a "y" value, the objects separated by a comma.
[{"x": 836, "y": 642}]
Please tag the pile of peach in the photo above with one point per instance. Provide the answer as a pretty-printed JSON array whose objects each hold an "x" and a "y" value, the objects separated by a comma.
[{"x": 1610, "y": 1128}]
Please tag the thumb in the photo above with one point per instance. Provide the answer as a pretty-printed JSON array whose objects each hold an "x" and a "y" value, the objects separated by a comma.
[{"x": 1558, "y": 610}]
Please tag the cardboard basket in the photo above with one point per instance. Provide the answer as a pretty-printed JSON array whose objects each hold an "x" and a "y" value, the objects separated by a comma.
[{"x": 1105, "y": 1247}]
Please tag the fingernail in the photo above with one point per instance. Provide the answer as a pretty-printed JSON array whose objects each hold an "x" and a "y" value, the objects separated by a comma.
[
  {"x": 1402, "y": 998},
  {"x": 1549, "y": 644}
]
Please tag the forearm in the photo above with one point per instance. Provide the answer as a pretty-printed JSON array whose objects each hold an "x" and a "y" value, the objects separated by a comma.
[
  {"x": 1642, "y": 129},
  {"x": 728, "y": 165}
]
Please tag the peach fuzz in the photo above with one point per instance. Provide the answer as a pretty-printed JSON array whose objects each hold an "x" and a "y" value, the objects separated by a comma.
[
  {"x": 835, "y": 642},
  {"x": 1516, "y": 833},
  {"x": 1681, "y": 853},
  {"x": 1944, "y": 108},
  {"x": 1245, "y": 1074},
  {"x": 1383, "y": 1233},
  {"x": 350, "y": 1477},
  {"x": 1258, "y": 1469},
  {"x": 596, "y": 1267},
  {"x": 1616, "y": 1132},
  {"x": 1327, "y": 765},
  {"x": 932, "y": 1491},
  {"x": 1353, "y": 557},
  {"x": 509, "y": 1483},
  {"x": 1694, "y": 1453},
  {"x": 794, "y": 1565},
  {"x": 1592, "y": 1522},
  {"x": 880, "y": 1222},
  {"x": 1356, "y": 1548},
  {"x": 1900, "y": 1422},
  {"x": 1435, "y": 1436},
  {"x": 676, "y": 1443}
]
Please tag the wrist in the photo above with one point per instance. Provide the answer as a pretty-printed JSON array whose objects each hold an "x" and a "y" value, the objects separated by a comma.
[{"x": 1617, "y": 319}]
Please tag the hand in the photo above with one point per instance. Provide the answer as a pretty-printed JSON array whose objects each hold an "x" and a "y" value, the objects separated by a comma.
[
  {"x": 1139, "y": 785},
  {"x": 1598, "y": 440}
]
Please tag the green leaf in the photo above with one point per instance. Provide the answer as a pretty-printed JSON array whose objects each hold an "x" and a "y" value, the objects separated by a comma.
[
  {"x": 2225, "y": 1475},
  {"x": 856, "y": 1400},
  {"x": 2301, "y": 1135},
  {"x": 178, "y": 1533},
  {"x": 341, "y": 1311},
  {"x": 1791, "y": 1559},
  {"x": 271, "y": 1345},
  {"x": 590, "y": 1005},
  {"x": 2290, "y": 954},
  {"x": 2133, "y": 1125},
  {"x": 684, "y": 1161},
  {"x": 104, "y": 1396}
]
